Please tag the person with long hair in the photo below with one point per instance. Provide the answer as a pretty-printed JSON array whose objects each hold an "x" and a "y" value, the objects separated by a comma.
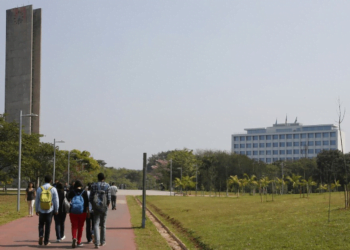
[
  {"x": 60, "y": 218},
  {"x": 78, "y": 212},
  {"x": 30, "y": 198}
]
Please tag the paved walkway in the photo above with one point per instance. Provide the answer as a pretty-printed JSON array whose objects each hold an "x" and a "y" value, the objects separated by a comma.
[{"x": 23, "y": 233}]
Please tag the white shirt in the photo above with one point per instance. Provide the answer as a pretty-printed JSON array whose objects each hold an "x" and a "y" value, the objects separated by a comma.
[{"x": 113, "y": 190}]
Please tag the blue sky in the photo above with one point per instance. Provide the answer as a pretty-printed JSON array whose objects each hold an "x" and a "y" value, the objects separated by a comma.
[{"x": 120, "y": 78}]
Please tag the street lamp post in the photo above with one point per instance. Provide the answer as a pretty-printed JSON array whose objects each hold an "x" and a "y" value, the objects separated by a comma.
[
  {"x": 20, "y": 156},
  {"x": 196, "y": 178},
  {"x": 171, "y": 176},
  {"x": 54, "y": 158}
]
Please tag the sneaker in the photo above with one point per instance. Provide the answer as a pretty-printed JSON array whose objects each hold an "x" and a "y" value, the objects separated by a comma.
[
  {"x": 63, "y": 237},
  {"x": 103, "y": 244},
  {"x": 89, "y": 242},
  {"x": 96, "y": 246},
  {"x": 48, "y": 243},
  {"x": 74, "y": 243},
  {"x": 58, "y": 240},
  {"x": 40, "y": 241},
  {"x": 80, "y": 245}
]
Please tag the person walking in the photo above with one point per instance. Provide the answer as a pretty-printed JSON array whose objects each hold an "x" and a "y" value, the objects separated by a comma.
[
  {"x": 100, "y": 198},
  {"x": 79, "y": 210},
  {"x": 114, "y": 191},
  {"x": 89, "y": 221},
  {"x": 30, "y": 198},
  {"x": 46, "y": 203},
  {"x": 60, "y": 218}
]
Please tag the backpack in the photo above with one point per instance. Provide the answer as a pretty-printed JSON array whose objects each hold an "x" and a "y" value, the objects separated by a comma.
[
  {"x": 77, "y": 204},
  {"x": 99, "y": 202},
  {"x": 45, "y": 198}
]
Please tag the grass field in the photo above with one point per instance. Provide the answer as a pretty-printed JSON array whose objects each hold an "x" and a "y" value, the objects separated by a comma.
[
  {"x": 8, "y": 208},
  {"x": 289, "y": 222},
  {"x": 148, "y": 237}
]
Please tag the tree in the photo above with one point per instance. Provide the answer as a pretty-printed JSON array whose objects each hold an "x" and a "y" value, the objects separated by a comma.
[
  {"x": 294, "y": 180},
  {"x": 234, "y": 180}
]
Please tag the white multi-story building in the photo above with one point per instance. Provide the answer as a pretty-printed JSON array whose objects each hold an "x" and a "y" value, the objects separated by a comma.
[{"x": 287, "y": 141}]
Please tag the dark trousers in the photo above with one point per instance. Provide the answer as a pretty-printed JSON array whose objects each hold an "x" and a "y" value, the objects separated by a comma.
[
  {"x": 90, "y": 227},
  {"x": 114, "y": 201},
  {"x": 59, "y": 224},
  {"x": 45, "y": 221}
]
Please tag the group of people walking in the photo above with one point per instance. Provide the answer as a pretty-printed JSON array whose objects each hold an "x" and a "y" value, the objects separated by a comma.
[{"x": 88, "y": 205}]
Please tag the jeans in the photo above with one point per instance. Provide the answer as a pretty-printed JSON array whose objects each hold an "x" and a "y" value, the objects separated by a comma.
[
  {"x": 59, "y": 224},
  {"x": 114, "y": 200},
  {"x": 100, "y": 219},
  {"x": 30, "y": 207},
  {"x": 77, "y": 221},
  {"x": 45, "y": 220},
  {"x": 89, "y": 227}
]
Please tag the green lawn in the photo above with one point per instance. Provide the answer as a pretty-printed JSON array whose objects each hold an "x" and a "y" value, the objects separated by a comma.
[
  {"x": 148, "y": 237},
  {"x": 8, "y": 208},
  {"x": 289, "y": 222}
]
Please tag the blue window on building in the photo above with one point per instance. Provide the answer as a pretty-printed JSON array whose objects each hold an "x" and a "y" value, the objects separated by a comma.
[
  {"x": 255, "y": 138},
  {"x": 295, "y": 158},
  {"x": 268, "y": 137},
  {"x": 249, "y": 145},
  {"x": 289, "y": 136},
  {"x": 236, "y": 138},
  {"x": 289, "y": 144},
  {"x": 249, "y": 152},
  {"x": 268, "y": 152},
  {"x": 242, "y": 146},
  {"x": 255, "y": 152},
  {"x": 289, "y": 152},
  {"x": 303, "y": 136},
  {"x": 296, "y": 144},
  {"x": 325, "y": 135},
  {"x": 262, "y": 137},
  {"x": 261, "y": 145},
  {"x": 317, "y": 151},
  {"x": 242, "y": 138},
  {"x": 325, "y": 143},
  {"x": 275, "y": 144},
  {"x": 261, "y": 152},
  {"x": 275, "y": 152},
  {"x": 310, "y": 151},
  {"x": 310, "y": 135},
  {"x": 249, "y": 138},
  {"x": 310, "y": 143},
  {"x": 303, "y": 143},
  {"x": 333, "y": 142},
  {"x": 296, "y": 136},
  {"x": 268, "y": 160},
  {"x": 302, "y": 151},
  {"x": 236, "y": 145},
  {"x": 255, "y": 145},
  {"x": 282, "y": 144},
  {"x": 296, "y": 151},
  {"x": 282, "y": 152},
  {"x": 318, "y": 135},
  {"x": 268, "y": 145},
  {"x": 333, "y": 134},
  {"x": 242, "y": 153},
  {"x": 318, "y": 143},
  {"x": 282, "y": 136},
  {"x": 275, "y": 159},
  {"x": 275, "y": 137}
]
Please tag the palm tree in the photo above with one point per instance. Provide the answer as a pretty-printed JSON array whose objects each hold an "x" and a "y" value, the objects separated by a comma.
[
  {"x": 279, "y": 184},
  {"x": 295, "y": 180},
  {"x": 309, "y": 183},
  {"x": 233, "y": 180},
  {"x": 335, "y": 185},
  {"x": 264, "y": 182},
  {"x": 251, "y": 182}
]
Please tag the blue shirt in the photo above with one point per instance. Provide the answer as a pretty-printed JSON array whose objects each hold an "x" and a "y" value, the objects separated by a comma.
[{"x": 54, "y": 200}]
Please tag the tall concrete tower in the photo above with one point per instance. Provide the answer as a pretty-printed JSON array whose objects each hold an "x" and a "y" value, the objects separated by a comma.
[{"x": 22, "y": 74}]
